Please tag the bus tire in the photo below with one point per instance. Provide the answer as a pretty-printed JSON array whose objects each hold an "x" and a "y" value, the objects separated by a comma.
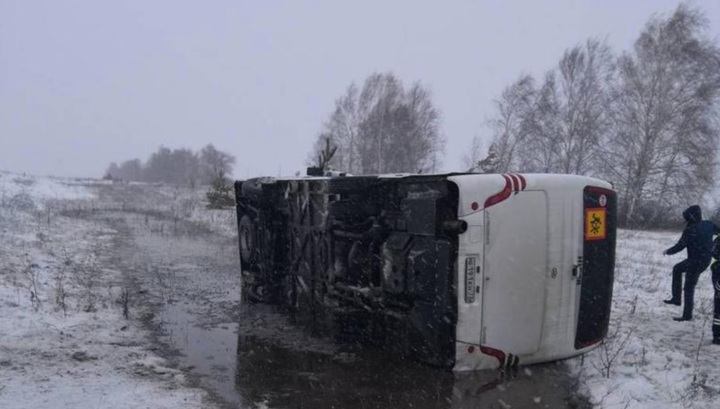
[{"x": 246, "y": 239}]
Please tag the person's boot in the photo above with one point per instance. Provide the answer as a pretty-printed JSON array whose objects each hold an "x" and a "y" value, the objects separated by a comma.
[
  {"x": 716, "y": 341},
  {"x": 682, "y": 318},
  {"x": 672, "y": 301}
]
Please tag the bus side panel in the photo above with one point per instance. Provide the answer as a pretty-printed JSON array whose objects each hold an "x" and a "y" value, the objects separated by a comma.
[{"x": 597, "y": 275}]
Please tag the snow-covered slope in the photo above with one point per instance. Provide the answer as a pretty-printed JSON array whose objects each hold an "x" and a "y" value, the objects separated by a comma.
[
  {"x": 64, "y": 342},
  {"x": 649, "y": 360}
]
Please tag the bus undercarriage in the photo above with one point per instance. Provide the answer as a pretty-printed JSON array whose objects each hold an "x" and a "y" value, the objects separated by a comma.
[{"x": 367, "y": 257}]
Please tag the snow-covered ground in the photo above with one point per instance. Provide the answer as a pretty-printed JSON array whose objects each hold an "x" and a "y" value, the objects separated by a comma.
[
  {"x": 649, "y": 360},
  {"x": 65, "y": 343},
  {"x": 40, "y": 190},
  {"x": 64, "y": 340}
]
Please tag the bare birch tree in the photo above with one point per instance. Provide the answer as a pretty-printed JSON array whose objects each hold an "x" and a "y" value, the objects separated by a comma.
[
  {"x": 473, "y": 156},
  {"x": 424, "y": 143},
  {"x": 510, "y": 125},
  {"x": 540, "y": 150},
  {"x": 380, "y": 98},
  {"x": 342, "y": 129},
  {"x": 665, "y": 128},
  {"x": 214, "y": 163},
  {"x": 383, "y": 128},
  {"x": 570, "y": 117}
]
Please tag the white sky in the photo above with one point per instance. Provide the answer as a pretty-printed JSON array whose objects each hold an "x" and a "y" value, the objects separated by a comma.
[{"x": 84, "y": 83}]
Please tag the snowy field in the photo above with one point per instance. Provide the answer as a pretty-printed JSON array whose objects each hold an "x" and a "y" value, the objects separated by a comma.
[
  {"x": 649, "y": 360},
  {"x": 65, "y": 341}
]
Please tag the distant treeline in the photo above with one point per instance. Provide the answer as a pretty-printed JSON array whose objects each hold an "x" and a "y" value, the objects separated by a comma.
[{"x": 176, "y": 166}]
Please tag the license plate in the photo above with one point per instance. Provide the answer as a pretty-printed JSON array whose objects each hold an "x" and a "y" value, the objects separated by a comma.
[{"x": 470, "y": 266}]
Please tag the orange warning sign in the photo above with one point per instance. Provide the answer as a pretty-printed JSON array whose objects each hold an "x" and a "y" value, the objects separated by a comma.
[{"x": 595, "y": 226}]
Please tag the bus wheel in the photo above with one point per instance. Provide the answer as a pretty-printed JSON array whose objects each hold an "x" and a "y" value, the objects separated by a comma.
[{"x": 246, "y": 237}]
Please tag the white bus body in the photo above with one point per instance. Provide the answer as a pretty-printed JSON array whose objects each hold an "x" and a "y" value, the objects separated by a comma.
[{"x": 466, "y": 271}]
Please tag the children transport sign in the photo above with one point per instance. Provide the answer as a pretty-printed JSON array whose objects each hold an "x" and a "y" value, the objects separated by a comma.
[{"x": 595, "y": 226}]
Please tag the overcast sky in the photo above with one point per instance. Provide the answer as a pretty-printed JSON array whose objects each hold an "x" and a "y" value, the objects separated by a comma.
[{"x": 85, "y": 83}]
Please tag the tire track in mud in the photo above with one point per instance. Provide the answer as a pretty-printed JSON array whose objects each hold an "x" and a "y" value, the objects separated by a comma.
[{"x": 170, "y": 272}]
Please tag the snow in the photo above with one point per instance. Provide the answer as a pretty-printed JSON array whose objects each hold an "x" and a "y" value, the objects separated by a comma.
[
  {"x": 87, "y": 355},
  {"x": 41, "y": 190},
  {"x": 653, "y": 361},
  {"x": 64, "y": 342},
  {"x": 190, "y": 204}
]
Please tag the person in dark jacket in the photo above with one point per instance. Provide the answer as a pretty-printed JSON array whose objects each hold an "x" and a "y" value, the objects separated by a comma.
[
  {"x": 715, "y": 268},
  {"x": 697, "y": 238}
]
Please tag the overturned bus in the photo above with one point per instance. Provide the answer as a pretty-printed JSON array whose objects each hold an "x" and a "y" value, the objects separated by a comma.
[{"x": 465, "y": 271}]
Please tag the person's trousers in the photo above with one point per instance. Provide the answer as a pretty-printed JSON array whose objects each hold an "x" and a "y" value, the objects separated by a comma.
[{"x": 692, "y": 272}]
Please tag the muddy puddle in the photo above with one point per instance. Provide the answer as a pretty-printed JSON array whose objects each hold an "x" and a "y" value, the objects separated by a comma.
[
  {"x": 247, "y": 371},
  {"x": 253, "y": 357}
]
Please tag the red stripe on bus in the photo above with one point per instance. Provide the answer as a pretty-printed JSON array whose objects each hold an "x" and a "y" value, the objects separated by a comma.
[
  {"x": 496, "y": 353},
  {"x": 502, "y": 195},
  {"x": 523, "y": 182},
  {"x": 516, "y": 183}
]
